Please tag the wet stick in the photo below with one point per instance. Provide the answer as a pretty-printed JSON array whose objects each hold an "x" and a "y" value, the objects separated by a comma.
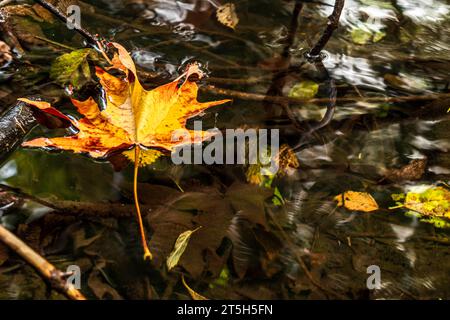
[
  {"x": 15, "y": 123},
  {"x": 55, "y": 277}
]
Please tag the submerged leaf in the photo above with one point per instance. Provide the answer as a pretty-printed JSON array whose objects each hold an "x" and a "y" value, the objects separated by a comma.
[
  {"x": 72, "y": 68},
  {"x": 223, "y": 278},
  {"x": 22, "y": 25},
  {"x": 179, "y": 248},
  {"x": 361, "y": 36},
  {"x": 412, "y": 171},
  {"x": 304, "y": 90},
  {"x": 277, "y": 199},
  {"x": 287, "y": 163},
  {"x": 433, "y": 202},
  {"x": 357, "y": 201},
  {"x": 194, "y": 295},
  {"x": 226, "y": 15},
  {"x": 364, "y": 34},
  {"x": 287, "y": 160},
  {"x": 431, "y": 206}
]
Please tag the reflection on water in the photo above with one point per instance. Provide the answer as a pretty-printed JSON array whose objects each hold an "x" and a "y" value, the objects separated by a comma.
[
  {"x": 420, "y": 11},
  {"x": 425, "y": 11},
  {"x": 375, "y": 13},
  {"x": 404, "y": 55},
  {"x": 354, "y": 71}
]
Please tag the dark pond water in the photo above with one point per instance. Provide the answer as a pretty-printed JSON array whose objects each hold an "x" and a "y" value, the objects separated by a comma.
[{"x": 390, "y": 65}]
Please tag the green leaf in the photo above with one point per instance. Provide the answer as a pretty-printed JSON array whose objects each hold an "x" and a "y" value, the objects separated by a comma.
[
  {"x": 223, "y": 278},
  {"x": 364, "y": 35},
  {"x": 431, "y": 206},
  {"x": 278, "y": 199},
  {"x": 437, "y": 222},
  {"x": 179, "y": 248},
  {"x": 72, "y": 68},
  {"x": 434, "y": 202},
  {"x": 378, "y": 36},
  {"x": 361, "y": 36},
  {"x": 398, "y": 196},
  {"x": 304, "y": 90}
]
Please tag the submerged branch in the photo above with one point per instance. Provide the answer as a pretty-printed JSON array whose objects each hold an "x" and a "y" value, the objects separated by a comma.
[
  {"x": 261, "y": 97},
  {"x": 54, "y": 276},
  {"x": 279, "y": 78},
  {"x": 301, "y": 262},
  {"x": 81, "y": 209}
]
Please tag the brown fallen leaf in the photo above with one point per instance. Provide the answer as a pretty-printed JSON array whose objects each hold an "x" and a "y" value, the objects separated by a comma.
[
  {"x": 412, "y": 171},
  {"x": 21, "y": 25},
  {"x": 184, "y": 212},
  {"x": 357, "y": 201},
  {"x": 101, "y": 289}
]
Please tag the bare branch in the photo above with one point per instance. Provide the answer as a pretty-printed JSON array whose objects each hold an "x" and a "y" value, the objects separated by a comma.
[
  {"x": 92, "y": 39},
  {"x": 333, "y": 23}
]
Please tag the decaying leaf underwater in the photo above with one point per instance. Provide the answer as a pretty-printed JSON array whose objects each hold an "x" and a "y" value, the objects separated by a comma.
[{"x": 134, "y": 118}]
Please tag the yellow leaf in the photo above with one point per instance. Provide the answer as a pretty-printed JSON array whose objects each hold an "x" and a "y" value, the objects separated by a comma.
[
  {"x": 226, "y": 15},
  {"x": 357, "y": 201},
  {"x": 194, "y": 295},
  {"x": 434, "y": 202},
  {"x": 179, "y": 248},
  {"x": 133, "y": 116},
  {"x": 304, "y": 90}
]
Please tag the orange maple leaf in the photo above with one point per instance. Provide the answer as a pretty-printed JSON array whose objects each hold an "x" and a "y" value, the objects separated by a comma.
[{"x": 133, "y": 117}]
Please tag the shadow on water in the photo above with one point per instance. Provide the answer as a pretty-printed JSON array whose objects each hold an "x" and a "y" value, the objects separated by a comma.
[{"x": 384, "y": 81}]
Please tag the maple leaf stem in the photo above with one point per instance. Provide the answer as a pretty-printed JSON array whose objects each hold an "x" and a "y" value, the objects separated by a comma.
[{"x": 147, "y": 253}]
